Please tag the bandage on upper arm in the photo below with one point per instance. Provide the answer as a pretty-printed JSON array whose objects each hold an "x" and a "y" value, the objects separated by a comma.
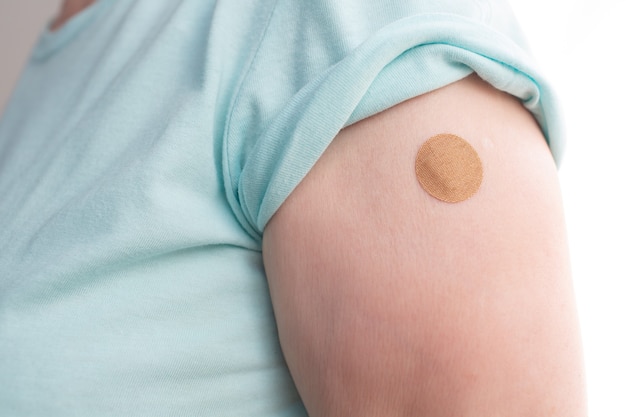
[{"x": 449, "y": 168}]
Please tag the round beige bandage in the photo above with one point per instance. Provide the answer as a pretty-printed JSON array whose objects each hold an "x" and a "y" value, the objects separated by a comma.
[{"x": 449, "y": 168}]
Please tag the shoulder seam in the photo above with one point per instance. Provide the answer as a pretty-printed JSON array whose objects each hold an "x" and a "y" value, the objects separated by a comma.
[{"x": 232, "y": 193}]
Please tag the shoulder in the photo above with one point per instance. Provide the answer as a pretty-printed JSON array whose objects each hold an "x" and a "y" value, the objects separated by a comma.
[{"x": 463, "y": 304}]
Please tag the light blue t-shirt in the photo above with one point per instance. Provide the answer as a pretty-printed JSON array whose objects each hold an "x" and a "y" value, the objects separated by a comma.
[{"x": 146, "y": 147}]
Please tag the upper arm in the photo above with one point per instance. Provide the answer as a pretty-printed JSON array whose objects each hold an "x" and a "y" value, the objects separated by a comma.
[{"x": 390, "y": 302}]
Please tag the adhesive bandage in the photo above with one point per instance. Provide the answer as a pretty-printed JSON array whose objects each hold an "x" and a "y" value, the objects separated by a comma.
[{"x": 449, "y": 168}]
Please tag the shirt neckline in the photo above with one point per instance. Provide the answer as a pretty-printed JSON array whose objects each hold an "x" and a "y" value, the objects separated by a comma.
[{"x": 52, "y": 41}]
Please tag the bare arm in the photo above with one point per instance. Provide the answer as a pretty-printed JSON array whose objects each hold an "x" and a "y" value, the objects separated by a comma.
[
  {"x": 392, "y": 303},
  {"x": 69, "y": 9}
]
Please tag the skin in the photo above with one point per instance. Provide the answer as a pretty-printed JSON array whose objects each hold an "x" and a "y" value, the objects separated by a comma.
[
  {"x": 392, "y": 303},
  {"x": 69, "y": 9}
]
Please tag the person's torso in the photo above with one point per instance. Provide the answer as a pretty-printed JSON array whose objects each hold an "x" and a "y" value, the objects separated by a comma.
[{"x": 127, "y": 285}]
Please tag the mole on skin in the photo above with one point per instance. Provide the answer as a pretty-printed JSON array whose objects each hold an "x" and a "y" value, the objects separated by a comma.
[{"x": 449, "y": 168}]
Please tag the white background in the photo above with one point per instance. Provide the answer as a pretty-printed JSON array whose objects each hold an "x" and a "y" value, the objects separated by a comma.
[{"x": 582, "y": 46}]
